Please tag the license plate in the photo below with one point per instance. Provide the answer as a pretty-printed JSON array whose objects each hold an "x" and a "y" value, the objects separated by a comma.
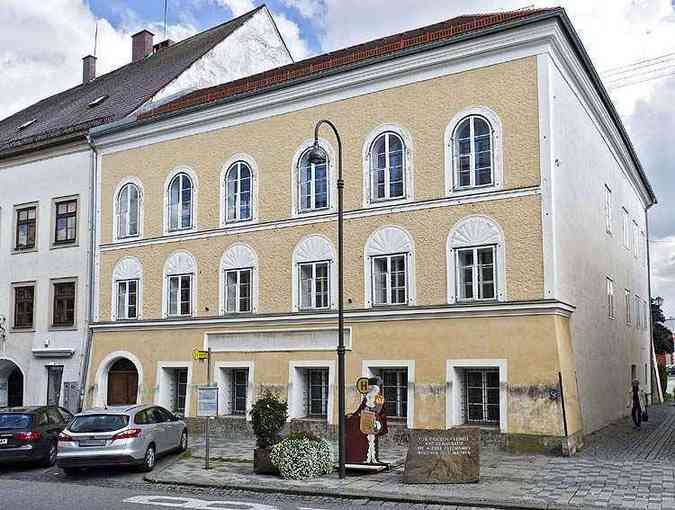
[
  {"x": 3, "y": 442},
  {"x": 97, "y": 442}
]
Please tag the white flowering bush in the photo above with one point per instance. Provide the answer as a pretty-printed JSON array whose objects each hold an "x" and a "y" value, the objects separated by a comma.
[{"x": 301, "y": 457}]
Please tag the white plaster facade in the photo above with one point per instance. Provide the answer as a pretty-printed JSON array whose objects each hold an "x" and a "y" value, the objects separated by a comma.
[
  {"x": 578, "y": 162},
  {"x": 55, "y": 175}
]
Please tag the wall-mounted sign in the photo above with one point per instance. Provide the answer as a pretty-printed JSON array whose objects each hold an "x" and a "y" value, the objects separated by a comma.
[
  {"x": 207, "y": 401},
  {"x": 198, "y": 355},
  {"x": 362, "y": 385}
]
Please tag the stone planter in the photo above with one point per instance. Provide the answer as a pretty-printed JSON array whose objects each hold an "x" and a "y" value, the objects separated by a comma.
[{"x": 262, "y": 463}]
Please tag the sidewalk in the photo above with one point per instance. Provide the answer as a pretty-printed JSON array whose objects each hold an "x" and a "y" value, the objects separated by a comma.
[{"x": 619, "y": 468}]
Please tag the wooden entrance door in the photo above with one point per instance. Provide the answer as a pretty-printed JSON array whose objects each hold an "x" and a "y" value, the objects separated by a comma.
[{"x": 122, "y": 383}]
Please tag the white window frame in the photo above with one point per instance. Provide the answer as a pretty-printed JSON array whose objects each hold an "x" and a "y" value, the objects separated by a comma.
[
  {"x": 610, "y": 298},
  {"x": 637, "y": 305},
  {"x": 386, "y": 241},
  {"x": 127, "y": 268},
  {"x": 475, "y": 273},
  {"x": 161, "y": 397},
  {"x": 127, "y": 181},
  {"x": 476, "y": 231},
  {"x": 179, "y": 303},
  {"x": 628, "y": 305},
  {"x": 636, "y": 237},
  {"x": 253, "y": 167},
  {"x": 497, "y": 152},
  {"x": 238, "y": 256},
  {"x": 369, "y": 199},
  {"x": 296, "y": 211},
  {"x": 310, "y": 249},
  {"x": 608, "y": 210},
  {"x": 296, "y": 407},
  {"x": 180, "y": 263},
  {"x": 195, "y": 187},
  {"x": 125, "y": 316},
  {"x": 388, "y": 286},
  {"x": 626, "y": 229},
  {"x": 223, "y": 380},
  {"x": 238, "y": 272},
  {"x": 370, "y": 368},
  {"x": 454, "y": 415},
  {"x": 313, "y": 265}
]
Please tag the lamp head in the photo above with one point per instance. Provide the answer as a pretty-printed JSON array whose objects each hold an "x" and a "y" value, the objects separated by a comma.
[{"x": 317, "y": 154}]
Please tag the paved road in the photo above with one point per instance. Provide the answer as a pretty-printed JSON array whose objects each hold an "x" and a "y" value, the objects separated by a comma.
[{"x": 27, "y": 488}]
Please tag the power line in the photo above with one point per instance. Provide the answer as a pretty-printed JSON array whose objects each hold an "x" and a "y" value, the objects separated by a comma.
[{"x": 640, "y": 63}]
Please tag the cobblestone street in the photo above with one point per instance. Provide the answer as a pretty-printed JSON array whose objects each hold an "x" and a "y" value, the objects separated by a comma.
[{"x": 618, "y": 468}]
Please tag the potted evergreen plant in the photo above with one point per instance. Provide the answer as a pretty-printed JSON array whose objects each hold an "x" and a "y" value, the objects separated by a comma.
[{"x": 268, "y": 417}]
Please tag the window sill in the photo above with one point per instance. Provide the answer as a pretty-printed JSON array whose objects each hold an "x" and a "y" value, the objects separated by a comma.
[
  {"x": 60, "y": 246},
  {"x": 476, "y": 190},
  {"x": 62, "y": 328},
  {"x": 310, "y": 419},
  {"x": 384, "y": 202},
  {"x": 27, "y": 250},
  {"x": 22, "y": 330}
]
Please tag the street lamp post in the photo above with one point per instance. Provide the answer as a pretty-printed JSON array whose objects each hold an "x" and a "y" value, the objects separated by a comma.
[{"x": 317, "y": 156}]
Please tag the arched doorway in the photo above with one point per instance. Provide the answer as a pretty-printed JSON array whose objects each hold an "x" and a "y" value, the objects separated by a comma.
[
  {"x": 122, "y": 383},
  {"x": 11, "y": 384}
]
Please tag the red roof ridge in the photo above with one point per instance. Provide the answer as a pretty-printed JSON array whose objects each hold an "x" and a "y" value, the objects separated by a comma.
[{"x": 327, "y": 61}]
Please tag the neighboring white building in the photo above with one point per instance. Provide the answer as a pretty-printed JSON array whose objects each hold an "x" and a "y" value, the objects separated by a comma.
[{"x": 47, "y": 172}]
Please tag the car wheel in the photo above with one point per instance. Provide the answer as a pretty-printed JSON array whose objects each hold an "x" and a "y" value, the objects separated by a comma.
[
  {"x": 183, "y": 445},
  {"x": 149, "y": 460},
  {"x": 70, "y": 471},
  {"x": 50, "y": 459}
]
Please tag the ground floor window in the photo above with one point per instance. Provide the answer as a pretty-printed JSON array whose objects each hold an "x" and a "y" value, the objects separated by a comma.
[
  {"x": 482, "y": 395},
  {"x": 239, "y": 389},
  {"x": 180, "y": 391},
  {"x": 395, "y": 391},
  {"x": 54, "y": 377},
  {"x": 317, "y": 392}
]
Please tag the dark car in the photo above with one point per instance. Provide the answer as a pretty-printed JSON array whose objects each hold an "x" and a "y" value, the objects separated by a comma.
[{"x": 30, "y": 434}]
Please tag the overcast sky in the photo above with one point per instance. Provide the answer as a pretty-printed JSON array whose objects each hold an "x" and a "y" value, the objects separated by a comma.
[{"x": 42, "y": 42}]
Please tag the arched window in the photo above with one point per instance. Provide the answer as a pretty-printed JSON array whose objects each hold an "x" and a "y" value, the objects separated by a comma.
[
  {"x": 314, "y": 274},
  {"x": 387, "y": 167},
  {"x": 127, "y": 289},
  {"x": 238, "y": 280},
  {"x": 389, "y": 268},
  {"x": 476, "y": 260},
  {"x": 473, "y": 153},
  {"x": 238, "y": 192},
  {"x": 180, "y": 272},
  {"x": 180, "y": 202},
  {"x": 128, "y": 211},
  {"x": 313, "y": 183}
]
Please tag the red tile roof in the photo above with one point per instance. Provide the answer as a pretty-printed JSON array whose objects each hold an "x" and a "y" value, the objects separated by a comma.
[{"x": 316, "y": 66}]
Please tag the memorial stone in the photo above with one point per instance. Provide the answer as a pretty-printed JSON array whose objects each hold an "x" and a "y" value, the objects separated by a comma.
[{"x": 443, "y": 456}]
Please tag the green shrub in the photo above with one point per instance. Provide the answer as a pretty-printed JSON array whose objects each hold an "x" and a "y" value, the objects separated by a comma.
[
  {"x": 302, "y": 458},
  {"x": 268, "y": 417}
]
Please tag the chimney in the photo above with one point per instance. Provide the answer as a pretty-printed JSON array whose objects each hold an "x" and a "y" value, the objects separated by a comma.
[
  {"x": 88, "y": 68},
  {"x": 141, "y": 45}
]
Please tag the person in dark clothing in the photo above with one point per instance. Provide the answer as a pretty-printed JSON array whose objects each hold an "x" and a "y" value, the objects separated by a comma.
[{"x": 636, "y": 412}]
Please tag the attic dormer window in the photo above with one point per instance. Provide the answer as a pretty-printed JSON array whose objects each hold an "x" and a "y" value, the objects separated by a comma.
[
  {"x": 26, "y": 124},
  {"x": 98, "y": 101}
]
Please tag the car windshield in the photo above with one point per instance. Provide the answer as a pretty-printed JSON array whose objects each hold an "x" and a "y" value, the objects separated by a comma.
[
  {"x": 99, "y": 423},
  {"x": 15, "y": 421}
]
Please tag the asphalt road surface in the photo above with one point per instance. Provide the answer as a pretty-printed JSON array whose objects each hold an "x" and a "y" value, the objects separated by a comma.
[{"x": 30, "y": 488}]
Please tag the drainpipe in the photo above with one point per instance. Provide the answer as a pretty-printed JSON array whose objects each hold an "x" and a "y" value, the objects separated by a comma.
[
  {"x": 90, "y": 266},
  {"x": 652, "y": 352}
]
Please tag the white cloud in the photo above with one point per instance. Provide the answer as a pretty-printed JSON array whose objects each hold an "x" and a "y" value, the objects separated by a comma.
[
  {"x": 237, "y": 7},
  {"x": 306, "y": 8},
  {"x": 291, "y": 34}
]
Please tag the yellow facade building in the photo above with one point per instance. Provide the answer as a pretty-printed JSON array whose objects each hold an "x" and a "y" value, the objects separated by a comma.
[{"x": 484, "y": 175}]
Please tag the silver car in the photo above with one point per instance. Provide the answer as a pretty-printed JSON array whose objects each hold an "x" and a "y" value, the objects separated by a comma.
[{"x": 115, "y": 436}]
